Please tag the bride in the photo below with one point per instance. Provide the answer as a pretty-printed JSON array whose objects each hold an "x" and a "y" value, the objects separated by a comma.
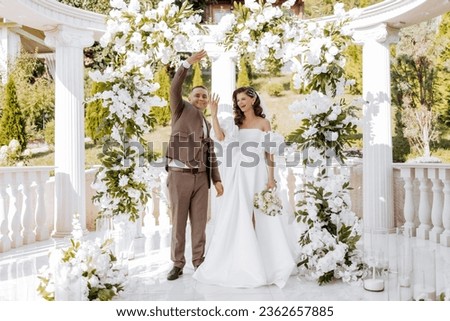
[{"x": 247, "y": 248}]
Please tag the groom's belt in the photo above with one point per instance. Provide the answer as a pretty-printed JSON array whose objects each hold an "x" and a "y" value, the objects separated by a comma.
[{"x": 186, "y": 170}]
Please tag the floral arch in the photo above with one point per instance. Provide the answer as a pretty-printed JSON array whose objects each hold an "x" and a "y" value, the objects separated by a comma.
[{"x": 141, "y": 38}]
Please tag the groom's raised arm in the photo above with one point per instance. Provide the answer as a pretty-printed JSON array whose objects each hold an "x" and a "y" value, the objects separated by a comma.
[{"x": 176, "y": 87}]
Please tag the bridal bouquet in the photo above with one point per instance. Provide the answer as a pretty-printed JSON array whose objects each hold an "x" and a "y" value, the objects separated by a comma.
[
  {"x": 86, "y": 270},
  {"x": 268, "y": 202}
]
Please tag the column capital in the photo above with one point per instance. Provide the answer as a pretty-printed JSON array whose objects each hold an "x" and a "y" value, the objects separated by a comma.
[
  {"x": 65, "y": 36},
  {"x": 381, "y": 33}
]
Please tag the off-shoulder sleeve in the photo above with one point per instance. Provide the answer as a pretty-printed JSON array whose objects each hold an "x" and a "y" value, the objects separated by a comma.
[
  {"x": 230, "y": 130},
  {"x": 273, "y": 143}
]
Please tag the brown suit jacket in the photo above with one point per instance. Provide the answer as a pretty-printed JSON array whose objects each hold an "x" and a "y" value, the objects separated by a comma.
[{"x": 187, "y": 142}]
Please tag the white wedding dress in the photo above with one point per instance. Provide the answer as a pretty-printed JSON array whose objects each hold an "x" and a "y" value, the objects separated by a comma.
[{"x": 238, "y": 253}]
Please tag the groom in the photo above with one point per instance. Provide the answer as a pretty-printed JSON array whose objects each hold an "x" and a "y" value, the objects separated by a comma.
[{"x": 191, "y": 164}]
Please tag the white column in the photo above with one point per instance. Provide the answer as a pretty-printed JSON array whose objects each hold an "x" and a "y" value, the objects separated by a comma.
[
  {"x": 9, "y": 49},
  {"x": 223, "y": 77},
  {"x": 377, "y": 137},
  {"x": 69, "y": 126}
]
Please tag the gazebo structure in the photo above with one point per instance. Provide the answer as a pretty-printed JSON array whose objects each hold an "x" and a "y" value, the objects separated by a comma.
[{"x": 67, "y": 30}]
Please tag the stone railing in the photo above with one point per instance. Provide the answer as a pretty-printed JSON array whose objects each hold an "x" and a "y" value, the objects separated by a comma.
[
  {"x": 426, "y": 205},
  {"x": 421, "y": 199},
  {"x": 23, "y": 214}
]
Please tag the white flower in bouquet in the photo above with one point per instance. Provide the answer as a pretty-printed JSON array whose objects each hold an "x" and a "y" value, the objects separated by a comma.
[{"x": 268, "y": 202}]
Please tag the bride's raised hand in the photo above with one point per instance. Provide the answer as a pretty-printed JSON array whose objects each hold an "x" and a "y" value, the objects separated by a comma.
[{"x": 214, "y": 104}]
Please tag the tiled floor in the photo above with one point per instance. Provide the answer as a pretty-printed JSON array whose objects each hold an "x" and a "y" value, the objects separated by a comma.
[{"x": 147, "y": 282}]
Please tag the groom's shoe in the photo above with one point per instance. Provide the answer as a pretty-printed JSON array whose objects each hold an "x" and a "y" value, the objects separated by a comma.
[{"x": 174, "y": 273}]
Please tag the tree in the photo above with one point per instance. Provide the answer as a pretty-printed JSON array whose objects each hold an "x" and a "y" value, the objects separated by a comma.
[
  {"x": 99, "y": 6},
  {"x": 322, "y": 8},
  {"x": 421, "y": 129},
  {"x": 161, "y": 115},
  {"x": 197, "y": 79},
  {"x": 12, "y": 123},
  {"x": 95, "y": 124},
  {"x": 442, "y": 45},
  {"x": 353, "y": 67},
  {"x": 414, "y": 77},
  {"x": 243, "y": 77}
]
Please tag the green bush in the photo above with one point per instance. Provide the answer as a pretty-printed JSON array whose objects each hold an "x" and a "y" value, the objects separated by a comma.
[
  {"x": 274, "y": 89},
  {"x": 12, "y": 123},
  {"x": 243, "y": 78},
  {"x": 161, "y": 115},
  {"x": 400, "y": 149},
  {"x": 197, "y": 79},
  {"x": 95, "y": 119},
  {"x": 49, "y": 133}
]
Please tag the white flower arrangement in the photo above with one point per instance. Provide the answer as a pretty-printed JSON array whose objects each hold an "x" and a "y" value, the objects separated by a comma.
[
  {"x": 86, "y": 270},
  {"x": 268, "y": 202},
  {"x": 260, "y": 29},
  {"x": 140, "y": 37}
]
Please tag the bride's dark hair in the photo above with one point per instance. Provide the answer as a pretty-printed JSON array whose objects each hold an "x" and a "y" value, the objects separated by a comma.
[{"x": 238, "y": 113}]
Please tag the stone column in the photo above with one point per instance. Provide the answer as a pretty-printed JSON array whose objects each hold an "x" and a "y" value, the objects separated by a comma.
[
  {"x": 9, "y": 48},
  {"x": 378, "y": 207},
  {"x": 69, "y": 125},
  {"x": 223, "y": 77}
]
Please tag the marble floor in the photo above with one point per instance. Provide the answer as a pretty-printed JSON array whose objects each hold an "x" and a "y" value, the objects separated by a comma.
[{"x": 147, "y": 281}]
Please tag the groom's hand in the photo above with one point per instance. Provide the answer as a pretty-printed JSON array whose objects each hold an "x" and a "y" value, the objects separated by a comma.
[
  {"x": 219, "y": 188},
  {"x": 196, "y": 57}
]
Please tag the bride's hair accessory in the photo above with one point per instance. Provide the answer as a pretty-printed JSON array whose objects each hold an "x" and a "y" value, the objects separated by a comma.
[{"x": 238, "y": 113}]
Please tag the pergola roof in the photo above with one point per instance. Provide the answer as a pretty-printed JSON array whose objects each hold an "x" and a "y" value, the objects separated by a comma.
[{"x": 45, "y": 15}]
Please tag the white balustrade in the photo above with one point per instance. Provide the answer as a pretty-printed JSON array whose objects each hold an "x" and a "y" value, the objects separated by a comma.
[
  {"x": 431, "y": 217},
  {"x": 408, "y": 208},
  {"x": 22, "y": 211},
  {"x": 424, "y": 204},
  {"x": 5, "y": 241},
  {"x": 438, "y": 199},
  {"x": 26, "y": 211},
  {"x": 444, "y": 175}
]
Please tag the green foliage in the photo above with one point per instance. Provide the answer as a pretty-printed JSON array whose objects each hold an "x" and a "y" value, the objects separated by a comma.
[
  {"x": 243, "y": 79},
  {"x": 100, "y": 6},
  {"x": 12, "y": 123},
  {"x": 35, "y": 91},
  {"x": 197, "y": 79},
  {"x": 49, "y": 133},
  {"x": 96, "y": 123},
  {"x": 274, "y": 89},
  {"x": 442, "y": 46},
  {"x": 353, "y": 67},
  {"x": 400, "y": 144},
  {"x": 400, "y": 149},
  {"x": 161, "y": 115},
  {"x": 322, "y": 8}
]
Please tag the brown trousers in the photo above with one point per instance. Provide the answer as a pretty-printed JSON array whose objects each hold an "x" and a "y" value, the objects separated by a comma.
[{"x": 188, "y": 198}]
